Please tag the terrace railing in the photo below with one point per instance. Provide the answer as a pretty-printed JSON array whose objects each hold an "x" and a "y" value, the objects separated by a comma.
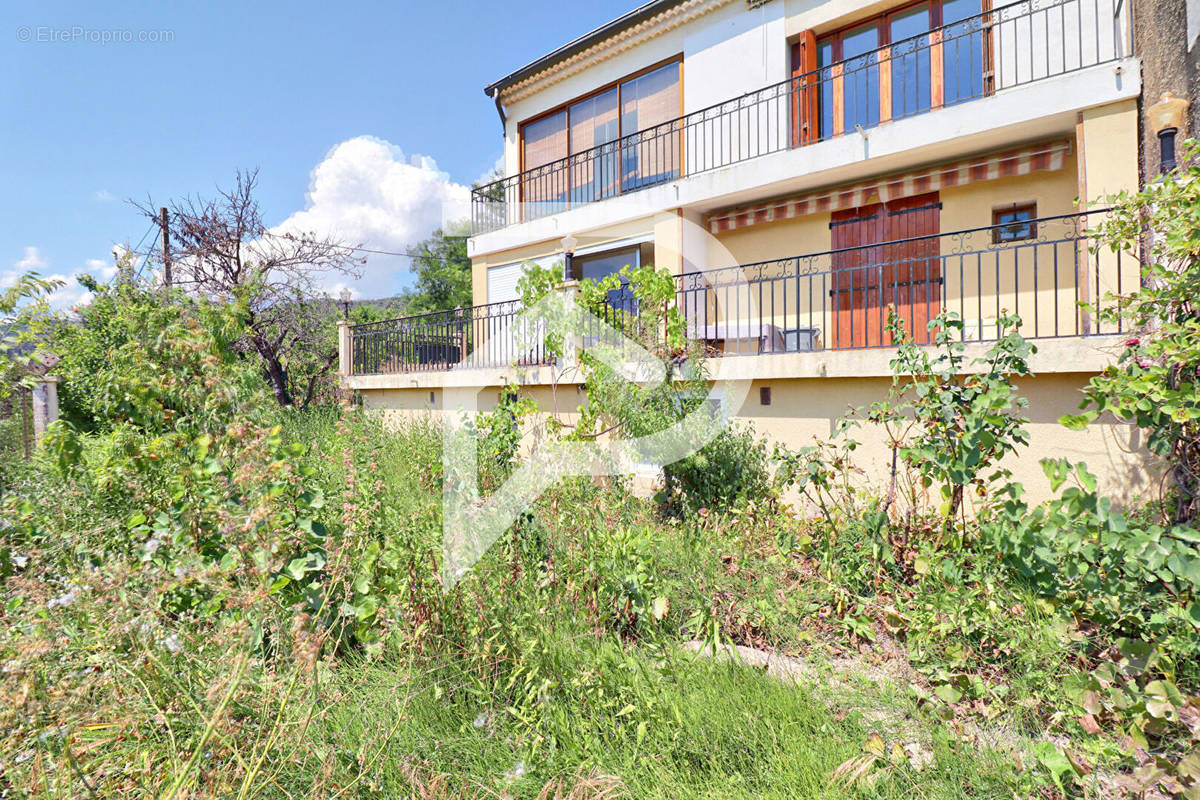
[
  {"x": 482, "y": 336},
  {"x": 1012, "y": 45},
  {"x": 1040, "y": 270}
]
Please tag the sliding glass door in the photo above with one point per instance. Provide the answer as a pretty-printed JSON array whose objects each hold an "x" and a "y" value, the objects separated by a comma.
[
  {"x": 616, "y": 139},
  {"x": 904, "y": 62}
]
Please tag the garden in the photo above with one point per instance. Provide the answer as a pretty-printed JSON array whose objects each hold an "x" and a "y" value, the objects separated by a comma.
[{"x": 208, "y": 593}]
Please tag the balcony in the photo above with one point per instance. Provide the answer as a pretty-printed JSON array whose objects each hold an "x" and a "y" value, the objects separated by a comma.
[
  {"x": 837, "y": 300},
  {"x": 1007, "y": 47}
]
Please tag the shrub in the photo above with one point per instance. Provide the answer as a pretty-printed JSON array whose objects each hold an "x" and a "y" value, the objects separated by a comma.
[
  {"x": 731, "y": 470},
  {"x": 1131, "y": 580},
  {"x": 951, "y": 426},
  {"x": 1156, "y": 380}
]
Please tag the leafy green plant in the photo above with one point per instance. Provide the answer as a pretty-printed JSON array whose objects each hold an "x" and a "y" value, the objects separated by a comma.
[
  {"x": 951, "y": 421},
  {"x": 628, "y": 592},
  {"x": 1134, "y": 696},
  {"x": 500, "y": 435},
  {"x": 732, "y": 470},
  {"x": 1155, "y": 382},
  {"x": 1132, "y": 580}
]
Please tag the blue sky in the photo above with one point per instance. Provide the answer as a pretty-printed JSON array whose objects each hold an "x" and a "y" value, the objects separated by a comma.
[{"x": 285, "y": 87}]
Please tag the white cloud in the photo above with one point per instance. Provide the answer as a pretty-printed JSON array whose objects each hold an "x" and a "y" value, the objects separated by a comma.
[
  {"x": 71, "y": 295},
  {"x": 104, "y": 195},
  {"x": 32, "y": 261},
  {"x": 368, "y": 192},
  {"x": 495, "y": 173}
]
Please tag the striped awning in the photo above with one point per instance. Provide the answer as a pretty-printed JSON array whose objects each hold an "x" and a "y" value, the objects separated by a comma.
[{"x": 1047, "y": 156}]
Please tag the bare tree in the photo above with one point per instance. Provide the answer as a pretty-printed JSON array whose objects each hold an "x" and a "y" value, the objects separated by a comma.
[{"x": 220, "y": 249}]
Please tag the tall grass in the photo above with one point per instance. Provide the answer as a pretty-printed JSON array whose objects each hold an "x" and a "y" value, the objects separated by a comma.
[{"x": 536, "y": 677}]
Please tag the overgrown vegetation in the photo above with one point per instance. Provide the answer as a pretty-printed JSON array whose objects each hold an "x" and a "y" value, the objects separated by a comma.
[{"x": 206, "y": 594}]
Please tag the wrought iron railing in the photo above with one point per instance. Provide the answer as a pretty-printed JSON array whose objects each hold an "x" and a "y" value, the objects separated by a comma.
[
  {"x": 1041, "y": 270},
  {"x": 482, "y": 336},
  {"x": 1004, "y": 47}
]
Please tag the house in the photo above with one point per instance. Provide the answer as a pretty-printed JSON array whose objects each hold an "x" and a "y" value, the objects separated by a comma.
[{"x": 802, "y": 166}]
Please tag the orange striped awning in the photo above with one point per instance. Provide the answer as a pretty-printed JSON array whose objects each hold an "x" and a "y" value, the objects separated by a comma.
[{"x": 1044, "y": 157}]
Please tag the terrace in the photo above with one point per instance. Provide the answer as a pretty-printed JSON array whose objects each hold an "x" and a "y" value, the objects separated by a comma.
[{"x": 1039, "y": 269}]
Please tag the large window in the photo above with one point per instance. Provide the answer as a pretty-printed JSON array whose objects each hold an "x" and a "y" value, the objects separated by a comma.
[
  {"x": 900, "y": 64},
  {"x": 597, "y": 132},
  {"x": 599, "y": 265}
]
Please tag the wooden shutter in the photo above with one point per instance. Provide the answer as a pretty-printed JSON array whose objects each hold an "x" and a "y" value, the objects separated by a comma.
[
  {"x": 912, "y": 276},
  {"x": 856, "y": 278},
  {"x": 889, "y": 260},
  {"x": 805, "y": 98}
]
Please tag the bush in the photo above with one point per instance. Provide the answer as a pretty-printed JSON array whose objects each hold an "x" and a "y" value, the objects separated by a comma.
[
  {"x": 729, "y": 471},
  {"x": 1156, "y": 380},
  {"x": 948, "y": 426},
  {"x": 1128, "y": 579}
]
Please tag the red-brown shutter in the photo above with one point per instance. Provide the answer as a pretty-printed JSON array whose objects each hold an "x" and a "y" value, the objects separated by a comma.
[{"x": 805, "y": 107}]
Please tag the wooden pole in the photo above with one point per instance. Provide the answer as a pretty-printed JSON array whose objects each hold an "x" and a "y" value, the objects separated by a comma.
[{"x": 166, "y": 246}]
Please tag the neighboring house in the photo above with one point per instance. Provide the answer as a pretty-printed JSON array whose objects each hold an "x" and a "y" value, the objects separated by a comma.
[{"x": 802, "y": 167}]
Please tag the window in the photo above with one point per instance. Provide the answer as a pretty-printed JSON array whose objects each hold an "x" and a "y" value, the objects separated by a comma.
[
  {"x": 963, "y": 64},
  {"x": 598, "y": 266},
  {"x": 588, "y": 129},
  {"x": 594, "y": 123},
  {"x": 1014, "y": 223},
  {"x": 647, "y": 101},
  {"x": 544, "y": 142},
  {"x": 860, "y": 77},
  {"x": 891, "y": 66},
  {"x": 909, "y": 32}
]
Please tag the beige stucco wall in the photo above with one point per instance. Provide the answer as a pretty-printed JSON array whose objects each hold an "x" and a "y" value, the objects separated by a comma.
[
  {"x": 804, "y": 410},
  {"x": 1108, "y": 141}
]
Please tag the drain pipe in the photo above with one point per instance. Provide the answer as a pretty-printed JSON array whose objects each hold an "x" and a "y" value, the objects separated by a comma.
[{"x": 499, "y": 107}]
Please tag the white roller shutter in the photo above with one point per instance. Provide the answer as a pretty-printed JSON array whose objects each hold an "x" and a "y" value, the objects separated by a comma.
[
  {"x": 503, "y": 341},
  {"x": 502, "y": 280}
]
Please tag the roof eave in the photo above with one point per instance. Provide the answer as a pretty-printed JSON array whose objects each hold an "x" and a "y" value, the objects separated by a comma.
[{"x": 549, "y": 60}]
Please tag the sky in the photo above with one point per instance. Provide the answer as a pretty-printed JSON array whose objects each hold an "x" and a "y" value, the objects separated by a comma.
[{"x": 366, "y": 120}]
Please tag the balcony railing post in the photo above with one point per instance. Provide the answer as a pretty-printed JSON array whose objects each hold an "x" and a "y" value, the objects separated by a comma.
[
  {"x": 569, "y": 290},
  {"x": 345, "y": 333}
]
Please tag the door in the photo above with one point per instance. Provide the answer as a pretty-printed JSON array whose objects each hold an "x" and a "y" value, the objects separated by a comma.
[{"x": 886, "y": 257}]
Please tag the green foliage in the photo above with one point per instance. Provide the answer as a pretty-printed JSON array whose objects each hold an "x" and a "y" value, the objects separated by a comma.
[
  {"x": 1128, "y": 578},
  {"x": 23, "y": 315},
  {"x": 443, "y": 271},
  {"x": 627, "y": 579},
  {"x": 731, "y": 471},
  {"x": 207, "y": 595},
  {"x": 500, "y": 435},
  {"x": 135, "y": 359},
  {"x": 1154, "y": 383},
  {"x": 951, "y": 424},
  {"x": 23, "y": 310}
]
